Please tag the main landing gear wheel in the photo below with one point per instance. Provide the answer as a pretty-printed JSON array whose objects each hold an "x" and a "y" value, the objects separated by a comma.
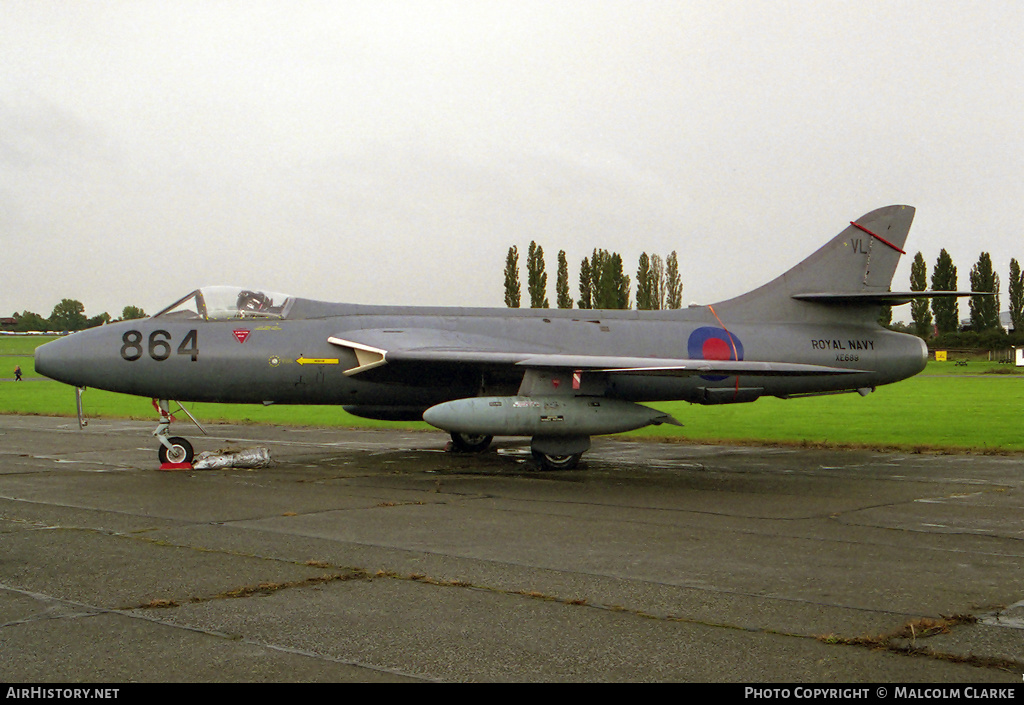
[
  {"x": 557, "y": 462},
  {"x": 179, "y": 452},
  {"x": 471, "y": 442}
]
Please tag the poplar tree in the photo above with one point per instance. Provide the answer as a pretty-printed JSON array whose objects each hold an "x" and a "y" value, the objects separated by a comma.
[
  {"x": 536, "y": 277},
  {"x": 984, "y": 309},
  {"x": 617, "y": 285},
  {"x": 945, "y": 310},
  {"x": 657, "y": 282},
  {"x": 920, "y": 309},
  {"x": 512, "y": 288},
  {"x": 673, "y": 284},
  {"x": 644, "y": 288},
  {"x": 1016, "y": 297},
  {"x": 609, "y": 285},
  {"x": 562, "y": 298},
  {"x": 586, "y": 300}
]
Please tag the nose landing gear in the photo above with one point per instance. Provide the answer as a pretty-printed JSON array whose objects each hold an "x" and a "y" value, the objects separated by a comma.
[
  {"x": 175, "y": 452},
  {"x": 178, "y": 451}
]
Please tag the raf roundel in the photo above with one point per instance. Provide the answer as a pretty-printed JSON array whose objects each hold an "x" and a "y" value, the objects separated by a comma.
[{"x": 710, "y": 343}]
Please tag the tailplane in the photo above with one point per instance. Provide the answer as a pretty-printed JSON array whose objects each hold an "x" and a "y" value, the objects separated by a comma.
[{"x": 854, "y": 269}]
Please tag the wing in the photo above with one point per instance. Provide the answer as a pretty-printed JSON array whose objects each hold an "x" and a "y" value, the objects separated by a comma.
[
  {"x": 378, "y": 347},
  {"x": 679, "y": 367}
]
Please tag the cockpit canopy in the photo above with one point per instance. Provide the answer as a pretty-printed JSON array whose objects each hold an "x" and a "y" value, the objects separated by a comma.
[{"x": 225, "y": 303}]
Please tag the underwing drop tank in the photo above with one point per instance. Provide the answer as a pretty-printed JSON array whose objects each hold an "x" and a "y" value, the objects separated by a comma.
[{"x": 543, "y": 416}]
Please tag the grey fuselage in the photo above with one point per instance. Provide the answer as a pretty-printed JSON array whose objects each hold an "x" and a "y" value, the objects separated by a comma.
[
  {"x": 811, "y": 330},
  {"x": 290, "y": 361}
]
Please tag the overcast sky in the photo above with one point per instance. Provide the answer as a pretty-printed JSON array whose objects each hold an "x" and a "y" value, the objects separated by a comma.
[{"x": 391, "y": 152}]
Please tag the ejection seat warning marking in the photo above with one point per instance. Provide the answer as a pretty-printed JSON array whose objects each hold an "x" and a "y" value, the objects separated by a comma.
[{"x": 317, "y": 361}]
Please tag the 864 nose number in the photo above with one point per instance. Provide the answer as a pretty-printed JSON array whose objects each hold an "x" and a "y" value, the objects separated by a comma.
[{"x": 158, "y": 346}]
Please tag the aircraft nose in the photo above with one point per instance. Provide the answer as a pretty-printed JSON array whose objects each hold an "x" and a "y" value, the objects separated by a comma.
[
  {"x": 57, "y": 360},
  {"x": 46, "y": 359}
]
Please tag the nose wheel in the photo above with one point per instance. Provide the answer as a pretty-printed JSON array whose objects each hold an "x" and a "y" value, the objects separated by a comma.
[
  {"x": 173, "y": 450},
  {"x": 178, "y": 450}
]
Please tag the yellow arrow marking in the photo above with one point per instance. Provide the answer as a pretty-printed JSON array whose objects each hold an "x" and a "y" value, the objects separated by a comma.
[{"x": 317, "y": 361}]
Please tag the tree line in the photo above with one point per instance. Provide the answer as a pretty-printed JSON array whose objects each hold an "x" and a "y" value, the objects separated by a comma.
[
  {"x": 938, "y": 320},
  {"x": 69, "y": 315},
  {"x": 603, "y": 282}
]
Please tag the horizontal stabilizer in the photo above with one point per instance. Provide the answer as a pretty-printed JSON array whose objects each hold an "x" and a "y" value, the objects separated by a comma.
[{"x": 881, "y": 298}]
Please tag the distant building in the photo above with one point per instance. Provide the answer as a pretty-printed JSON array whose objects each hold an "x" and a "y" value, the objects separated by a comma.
[
  {"x": 8, "y": 323},
  {"x": 1004, "y": 321}
]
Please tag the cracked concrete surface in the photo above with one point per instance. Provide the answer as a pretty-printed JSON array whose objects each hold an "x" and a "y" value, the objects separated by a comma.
[{"x": 375, "y": 556}]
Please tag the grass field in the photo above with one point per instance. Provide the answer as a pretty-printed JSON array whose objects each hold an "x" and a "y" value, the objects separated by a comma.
[{"x": 947, "y": 407}]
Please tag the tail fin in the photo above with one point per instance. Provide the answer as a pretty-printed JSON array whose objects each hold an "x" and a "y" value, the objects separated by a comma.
[{"x": 854, "y": 269}]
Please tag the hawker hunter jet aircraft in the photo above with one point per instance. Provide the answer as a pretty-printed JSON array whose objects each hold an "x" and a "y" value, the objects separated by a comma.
[{"x": 556, "y": 376}]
